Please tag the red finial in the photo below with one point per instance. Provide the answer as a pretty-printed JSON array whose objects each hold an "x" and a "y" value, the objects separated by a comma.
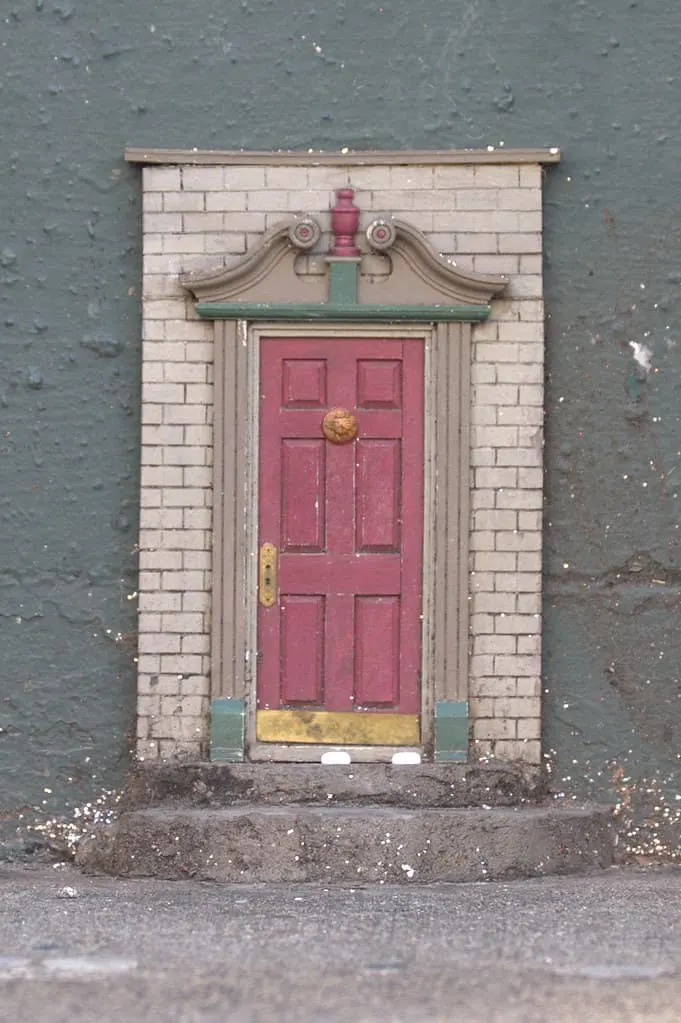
[{"x": 344, "y": 224}]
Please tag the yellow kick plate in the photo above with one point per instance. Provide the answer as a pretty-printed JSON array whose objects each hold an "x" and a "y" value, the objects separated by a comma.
[{"x": 337, "y": 728}]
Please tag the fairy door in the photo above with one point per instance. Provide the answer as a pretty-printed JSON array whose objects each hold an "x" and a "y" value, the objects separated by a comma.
[{"x": 340, "y": 541}]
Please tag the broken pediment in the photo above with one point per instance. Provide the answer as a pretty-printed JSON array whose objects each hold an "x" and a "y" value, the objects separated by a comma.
[{"x": 393, "y": 273}]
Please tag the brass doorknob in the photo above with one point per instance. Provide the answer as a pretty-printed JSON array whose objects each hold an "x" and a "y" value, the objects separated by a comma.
[{"x": 339, "y": 425}]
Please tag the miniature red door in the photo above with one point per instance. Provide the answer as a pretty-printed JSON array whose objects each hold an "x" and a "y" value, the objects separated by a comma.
[{"x": 340, "y": 503}]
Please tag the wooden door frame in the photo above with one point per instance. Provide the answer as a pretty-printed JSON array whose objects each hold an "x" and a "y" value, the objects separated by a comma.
[{"x": 444, "y": 675}]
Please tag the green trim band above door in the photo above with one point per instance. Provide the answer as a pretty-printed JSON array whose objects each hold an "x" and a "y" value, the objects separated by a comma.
[{"x": 333, "y": 311}]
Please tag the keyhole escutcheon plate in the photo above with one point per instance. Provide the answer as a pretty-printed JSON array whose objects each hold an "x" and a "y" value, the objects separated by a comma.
[{"x": 268, "y": 575}]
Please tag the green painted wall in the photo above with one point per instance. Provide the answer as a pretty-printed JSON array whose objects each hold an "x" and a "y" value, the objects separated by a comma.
[{"x": 80, "y": 80}]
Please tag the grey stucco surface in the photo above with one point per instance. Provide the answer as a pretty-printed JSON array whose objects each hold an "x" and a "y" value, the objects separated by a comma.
[
  {"x": 598, "y": 949},
  {"x": 80, "y": 81}
]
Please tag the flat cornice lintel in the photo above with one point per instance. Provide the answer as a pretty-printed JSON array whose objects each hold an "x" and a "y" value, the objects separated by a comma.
[{"x": 314, "y": 158}]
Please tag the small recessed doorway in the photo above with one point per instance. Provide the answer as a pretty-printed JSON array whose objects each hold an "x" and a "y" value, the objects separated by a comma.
[{"x": 340, "y": 541}]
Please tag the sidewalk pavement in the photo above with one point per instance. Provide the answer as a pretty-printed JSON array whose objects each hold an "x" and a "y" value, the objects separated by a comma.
[{"x": 602, "y": 947}]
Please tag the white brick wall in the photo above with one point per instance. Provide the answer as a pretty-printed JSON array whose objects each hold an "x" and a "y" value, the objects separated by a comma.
[{"x": 488, "y": 219}]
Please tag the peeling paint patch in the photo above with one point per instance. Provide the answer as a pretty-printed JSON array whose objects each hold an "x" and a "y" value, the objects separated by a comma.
[{"x": 643, "y": 356}]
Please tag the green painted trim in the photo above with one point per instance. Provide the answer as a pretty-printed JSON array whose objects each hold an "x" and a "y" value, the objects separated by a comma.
[
  {"x": 343, "y": 281},
  {"x": 451, "y": 730},
  {"x": 227, "y": 730},
  {"x": 451, "y": 709},
  {"x": 448, "y": 756},
  {"x": 339, "y": 311}
]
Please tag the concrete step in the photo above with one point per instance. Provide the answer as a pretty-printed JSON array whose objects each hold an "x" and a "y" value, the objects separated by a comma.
[
  {"x": 276, "y": 784},
  {"x": 351, "y": 844}
]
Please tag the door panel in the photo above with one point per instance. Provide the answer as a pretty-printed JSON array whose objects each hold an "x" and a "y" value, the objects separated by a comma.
[
  {"x": 303, "y": 383},
  {"x": 377, "y": 651},
  {"x": 343, "y": 637},
  {"x": 379, "y": 504},
  {"x": 303, "y": 506},
  {"x": 302, "y": 649},
  {"x": 379, "y": 383}
]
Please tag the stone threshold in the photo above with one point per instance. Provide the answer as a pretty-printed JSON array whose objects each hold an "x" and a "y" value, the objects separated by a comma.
[{"x": 204, "y": 784}]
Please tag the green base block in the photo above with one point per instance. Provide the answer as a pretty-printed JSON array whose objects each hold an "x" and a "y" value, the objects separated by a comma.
[
  {"x": 227, "y": 730},
  {"x": 451, "y": 730}
]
